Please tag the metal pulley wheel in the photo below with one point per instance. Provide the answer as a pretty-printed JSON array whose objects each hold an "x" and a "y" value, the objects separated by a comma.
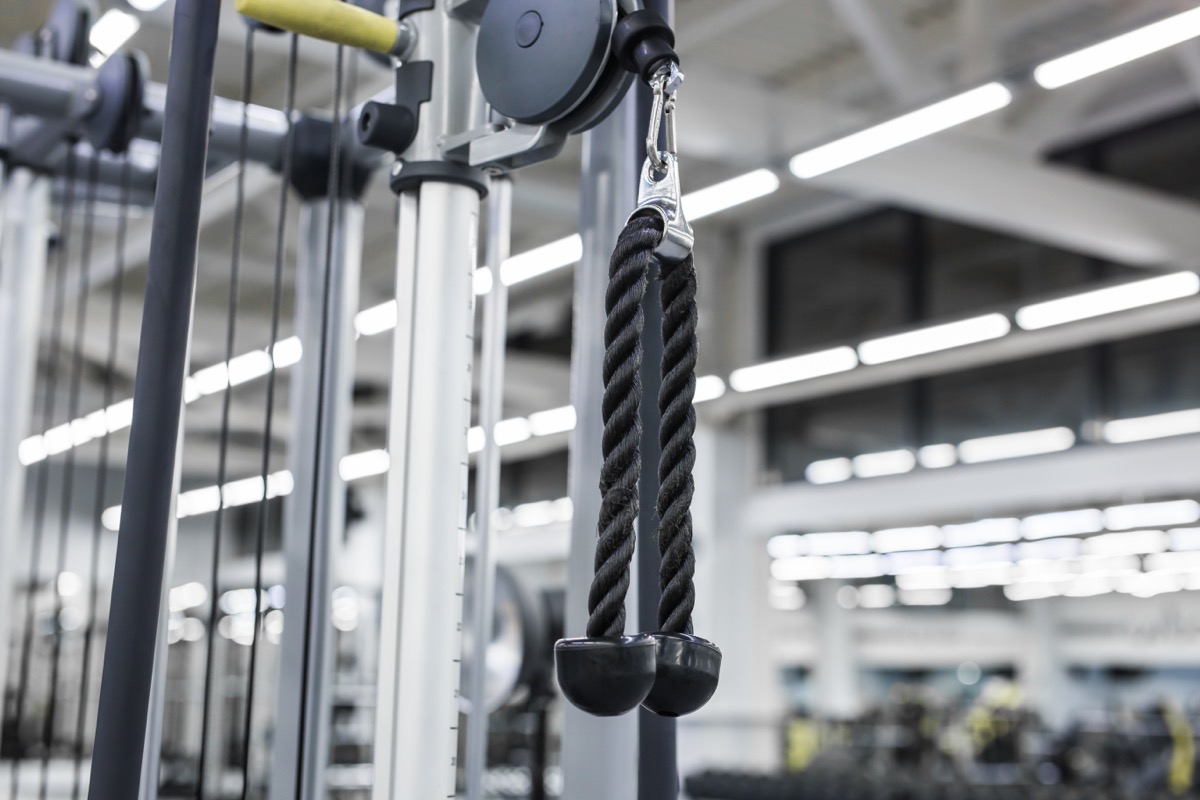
[
  {"x": 521, "y": 637},
  {"x": 546, "y": 62}
]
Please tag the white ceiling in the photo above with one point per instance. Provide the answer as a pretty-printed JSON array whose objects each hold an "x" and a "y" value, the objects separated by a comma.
[{"x": 765, "y": 78}]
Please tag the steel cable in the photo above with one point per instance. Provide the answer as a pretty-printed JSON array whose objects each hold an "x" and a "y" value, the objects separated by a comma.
[
  {"x": 68, "y": 478},
  {"x": 41, "y": 488},
  {"x": 114, "y": 325},
  {"x": 269, "y": 412},
  {"x": 214, "y": 586}
]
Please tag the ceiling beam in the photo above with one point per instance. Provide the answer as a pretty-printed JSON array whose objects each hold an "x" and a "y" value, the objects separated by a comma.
[
  {"x": 891, "y": 48},
  {"x": 1076, "y": 478},
  {"x": 956, "y": 177},
  {"x": 1016, "y": 346}
]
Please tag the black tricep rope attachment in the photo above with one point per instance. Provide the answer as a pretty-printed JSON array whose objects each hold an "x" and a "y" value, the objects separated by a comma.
[
  {"x": 609, "y": 673},
  {"x": 670, "y": 672}
]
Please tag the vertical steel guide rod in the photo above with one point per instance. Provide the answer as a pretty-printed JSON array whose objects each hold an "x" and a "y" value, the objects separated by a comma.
[
  {"x": 25, "y": 239},
  {"x": 658, "y": 776},
  {"x": 148, "y": 497},
  {"x": 313, "y": 751},
  {"x": 600, "y": 755},
  {"x": 487, "y": 482},
  {"x": 420, "y": 637}
]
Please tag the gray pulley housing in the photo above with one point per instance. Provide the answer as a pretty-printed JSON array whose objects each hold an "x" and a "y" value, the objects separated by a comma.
[{"x": 544, "y": 62}]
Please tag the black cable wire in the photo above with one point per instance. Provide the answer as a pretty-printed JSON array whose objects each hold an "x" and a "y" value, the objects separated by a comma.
[
  {"x": 41, "y": 489},
  {"x": 114, "y": 326},
  {"x": 264, "y": 507},
  {"x": 337, "y": 181},
  {"x": 628, "y": 275},
  {"x": 214, "y": 586},
  {"x": 68, "y": 479},
  {"x": 678, "y": 449}
]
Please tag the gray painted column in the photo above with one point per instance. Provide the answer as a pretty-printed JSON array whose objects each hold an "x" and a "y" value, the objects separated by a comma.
[
  {"x": 22, "y": 275},
  {"x": 836, "y": 675},
  {"x": 600, "y": 756},
  {"x": 1041, "y": 672},
  {"x": 302, "y": 718}
]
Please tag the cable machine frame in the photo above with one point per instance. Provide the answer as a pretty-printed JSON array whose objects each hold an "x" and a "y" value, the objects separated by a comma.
[{"x": 451, "y": 127}]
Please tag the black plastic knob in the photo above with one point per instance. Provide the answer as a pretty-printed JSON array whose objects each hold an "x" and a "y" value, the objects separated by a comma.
[
  {"x": 643, "y": 42},
  {"x": 687, "y": 673},
  {"x": 607, "y": 676},
  {"x": 387, "y": 126}
]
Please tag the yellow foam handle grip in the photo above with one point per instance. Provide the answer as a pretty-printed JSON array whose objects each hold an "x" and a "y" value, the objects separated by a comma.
[{"x": 330, "y": 20}]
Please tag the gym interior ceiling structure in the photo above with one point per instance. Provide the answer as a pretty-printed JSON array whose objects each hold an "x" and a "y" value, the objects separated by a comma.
[{"x": 604, "y": 399}]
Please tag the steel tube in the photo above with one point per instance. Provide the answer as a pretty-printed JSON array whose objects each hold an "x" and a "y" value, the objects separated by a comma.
[
  {"x": 487, "y": 483},
  {"x": 311, "y": 556},
  {"x": 22, "y": 277},
  {"x": 158, "y": 395},
  {"x": 416, "y": 741},
  {"x": 46, "y": 88},
  {"x": 266, "y": 127}
]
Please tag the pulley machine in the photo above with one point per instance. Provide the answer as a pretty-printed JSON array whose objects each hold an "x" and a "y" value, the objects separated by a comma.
[{"x": 482, "y": 89}]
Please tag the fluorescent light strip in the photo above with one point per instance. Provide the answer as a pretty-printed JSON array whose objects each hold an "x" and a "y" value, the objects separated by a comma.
[
  {"x": 984, "y": 531},
  {"x": 792, "y": 370},
  {"x": 118, "y": 416},
  {"x": 894, "y": 540},
  {"x": 728, "y": 194},
  {"x": 1156, "y": 426},
  {"x": 1110, "y": 300},
  {"x": 113, "y": 30},
  {"x": 1147, "y": 515},
  {"x": 209, "y": 499},
  {"x": 972, "y": 451},
  {"x": 831, "y": 470},
  {"x": 1016, "y": 445},
  {"x": 540, "y": 260},
  {"x": 364, "y": 465},
  {"x": 1129, "y": 543},
  {"x": 1119, "y": 50},
  {"x": 937, "y": 456},
  {"x": 1062, "y": 523},
  {"x": 902, "y": 130},
  {"x": 934, "y": 339},
  {"x": 892, "y": 462}
]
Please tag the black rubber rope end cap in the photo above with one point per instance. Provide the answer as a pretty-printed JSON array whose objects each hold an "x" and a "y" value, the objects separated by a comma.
[
  {"x": 643, "y": 42},
  {"x": 607, "y": 676},
  {"x": 687, "y": 673}
]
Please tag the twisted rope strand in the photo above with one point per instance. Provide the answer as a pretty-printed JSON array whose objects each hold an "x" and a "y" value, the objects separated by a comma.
[
  {"x": 678, "y": 450},
  {"x": 628, "y": 276}
]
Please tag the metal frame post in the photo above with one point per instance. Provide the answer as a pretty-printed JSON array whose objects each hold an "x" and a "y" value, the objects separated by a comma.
[
  {"x": 147, "y": 501},
  {"x": 487, "y": 483},
  {"x": 22, "y": 277},
  {"x": 599, "y": 755},
  {"x": 310, "y": 572},
  {"x": 416, "y": 740}
]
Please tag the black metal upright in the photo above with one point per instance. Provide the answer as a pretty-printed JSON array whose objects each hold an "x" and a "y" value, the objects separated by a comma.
[
  {"x": 658, "y": 772},
  {"x": 158, "y": 395}
]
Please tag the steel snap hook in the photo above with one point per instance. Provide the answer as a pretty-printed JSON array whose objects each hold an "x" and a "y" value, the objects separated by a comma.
[{"x": 665, "y": 84}]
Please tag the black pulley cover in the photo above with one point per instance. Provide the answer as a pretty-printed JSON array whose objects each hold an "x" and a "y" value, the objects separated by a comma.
[{"x": 539, "y": 59}]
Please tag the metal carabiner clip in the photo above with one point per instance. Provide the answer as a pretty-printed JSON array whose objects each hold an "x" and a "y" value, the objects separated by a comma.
[{"x": 658, "y": 190}]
